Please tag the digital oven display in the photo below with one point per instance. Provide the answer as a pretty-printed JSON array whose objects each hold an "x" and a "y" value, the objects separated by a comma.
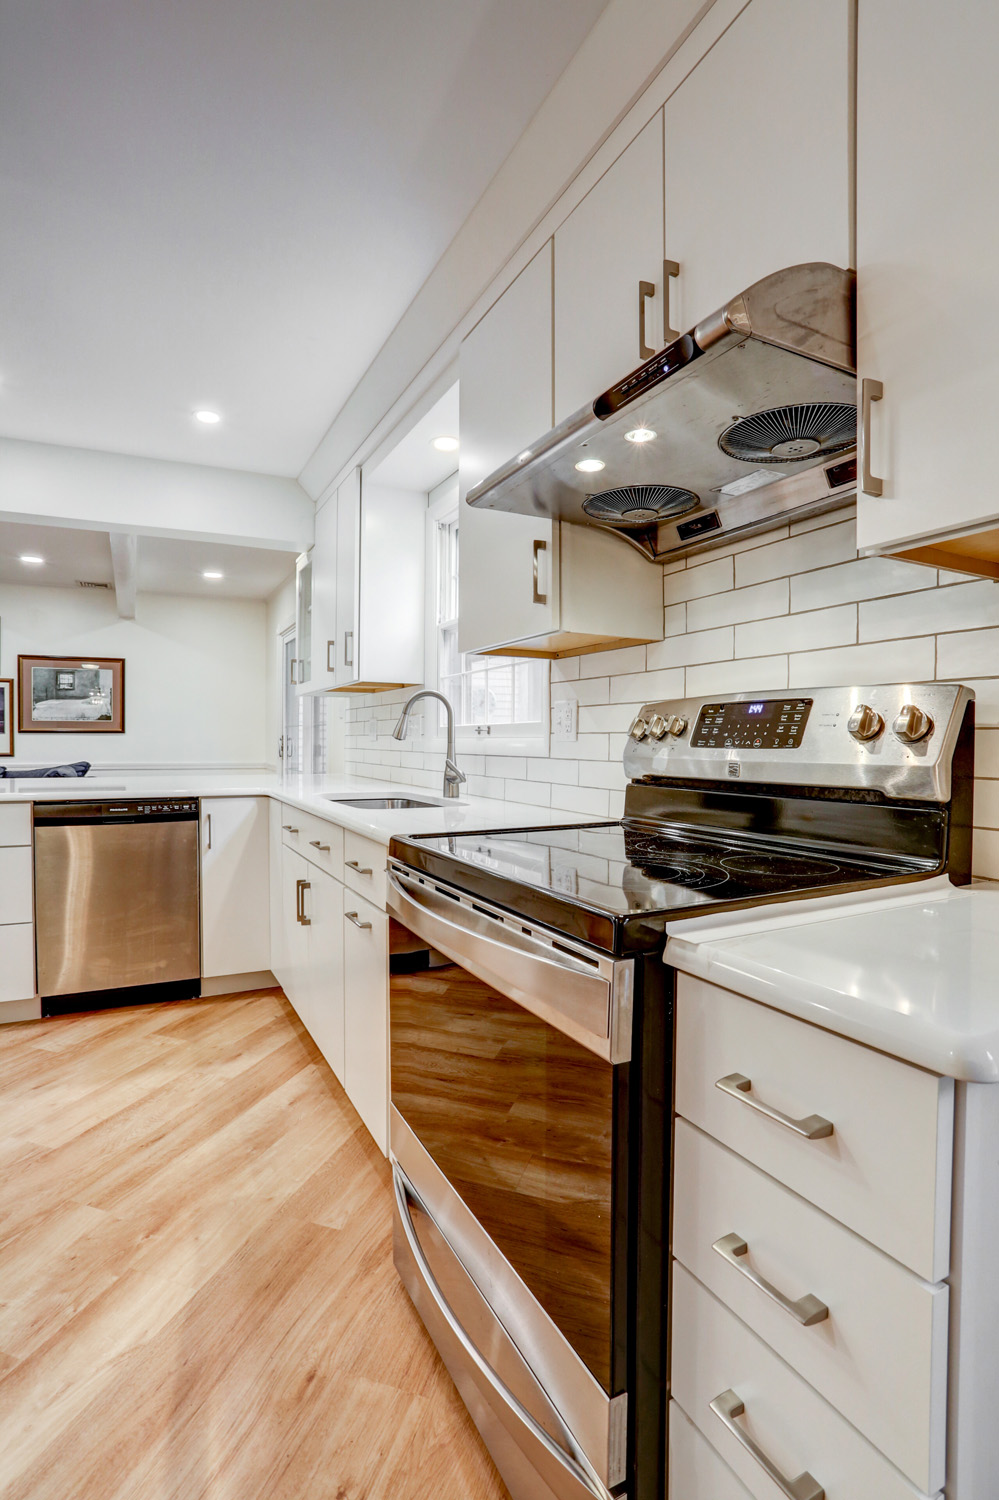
[{"x": 767, "y": 724}]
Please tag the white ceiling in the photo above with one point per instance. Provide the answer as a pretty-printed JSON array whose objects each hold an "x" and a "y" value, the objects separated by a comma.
[
  {"x": 231, "y": 205},
  {"x": 164, "y": 564}
]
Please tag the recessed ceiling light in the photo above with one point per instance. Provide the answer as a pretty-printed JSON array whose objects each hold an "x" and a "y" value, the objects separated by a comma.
[
  {"x": 640, "y": 435},
  {"x": 590, "y": 465},
  {"x": 210, "y": 573},
  {"x": 31, "y": 560},
  {"x": 208, "y": 417},
  {"x": 446, "y": 444}
]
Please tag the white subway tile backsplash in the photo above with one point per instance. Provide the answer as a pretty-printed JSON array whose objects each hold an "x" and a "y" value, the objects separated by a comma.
[
  {"x": 610, "y": 718},
  {"x": 537, "y": 792},
  {"x": 963, "y": 606},
  {"x": 695, "y": 646},
  {"x": 865, "y": 578},
  {"x": 830, "y": 518},
  {"x": 674, "y": 620},
  {"x": 641, "y": 687},
  {"x": 610, "y": 663},
  {"x": 816, "y": 627},
  {"x": 586, "y": 690},
  {"x": 699, "y": 579},
  {"x": 605, "y": 773},
  {"x": 832, "y": 544},
  {"x": 545, "y": 769},
  {"x": 565, "y": 669},
  {"x": 884, "y": 661},
  {"x": 581, "y": 799},
  {"x": 986, "y": 691},
  {"x": 968, "y": 653},
  {"x": 986, "y": 751},
  {"x": 506, "y": 765},
  {"x": 757, "y": 603},
  {"x": 985, "y": 854},
  {"x": 728, "y": 549},
  {"x": 986, "y": 803},
  {"x": 738, "y": 676},
  {"x": 584, "y": 747}
]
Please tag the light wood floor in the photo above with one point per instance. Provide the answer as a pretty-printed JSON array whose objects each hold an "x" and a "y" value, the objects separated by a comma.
[{"x": 197, "y": 1296}]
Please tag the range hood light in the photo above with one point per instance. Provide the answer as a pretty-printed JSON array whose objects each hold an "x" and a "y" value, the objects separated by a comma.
[
  {"x": 523, "y": 457},
  {"x": 641, "y": 435},
  {"x": 590, "y": 465}
]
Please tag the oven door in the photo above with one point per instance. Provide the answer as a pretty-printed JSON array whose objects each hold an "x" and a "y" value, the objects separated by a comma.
[{"x": 509, "y": 1052}]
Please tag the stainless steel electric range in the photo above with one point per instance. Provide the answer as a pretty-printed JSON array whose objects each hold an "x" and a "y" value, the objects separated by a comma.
[{"x": 531, "y": 1034}]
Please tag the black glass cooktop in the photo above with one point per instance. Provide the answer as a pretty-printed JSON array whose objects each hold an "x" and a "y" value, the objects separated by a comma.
[{"x": 631, "y": 875}]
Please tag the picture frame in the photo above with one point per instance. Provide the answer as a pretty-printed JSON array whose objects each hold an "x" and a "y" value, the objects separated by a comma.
[
  {"x": 70, "y": 695},
  {"x": 6, "y": 716}
]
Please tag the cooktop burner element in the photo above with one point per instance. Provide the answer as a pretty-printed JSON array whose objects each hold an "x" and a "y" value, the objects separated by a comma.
[{"x": 785, "y": 867}]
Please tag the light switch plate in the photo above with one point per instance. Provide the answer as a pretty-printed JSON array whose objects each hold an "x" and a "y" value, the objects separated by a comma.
[{"x": 565, "y": 719}]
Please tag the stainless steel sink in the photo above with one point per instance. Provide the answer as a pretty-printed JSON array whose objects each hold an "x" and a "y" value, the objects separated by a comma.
[{"x": 383, "y": 804}]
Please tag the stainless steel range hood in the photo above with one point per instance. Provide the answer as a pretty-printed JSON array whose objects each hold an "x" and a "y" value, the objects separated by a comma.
[{"x": 746, "y": 421}]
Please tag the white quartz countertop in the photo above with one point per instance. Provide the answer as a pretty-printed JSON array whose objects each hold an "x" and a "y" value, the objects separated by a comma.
[
  {"x": 914, "y": 972},
  {"x": 310, "y": 793}
]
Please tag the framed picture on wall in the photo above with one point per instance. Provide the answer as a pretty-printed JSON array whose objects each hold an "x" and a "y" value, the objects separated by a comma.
[
  {"x": 70, "y": 695},
  {"x": 6, "y": 716}
]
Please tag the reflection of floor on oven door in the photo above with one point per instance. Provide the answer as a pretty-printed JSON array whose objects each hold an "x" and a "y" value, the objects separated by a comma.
[
  {"x": 198, "y": 1294},
  {"x": 519, "y": 1119}
]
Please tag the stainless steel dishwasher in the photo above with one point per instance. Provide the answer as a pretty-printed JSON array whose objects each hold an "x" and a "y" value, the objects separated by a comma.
[{"x": 117, "y": 908}]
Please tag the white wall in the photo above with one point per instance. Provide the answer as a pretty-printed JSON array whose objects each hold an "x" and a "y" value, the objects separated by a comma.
[
  {"x": 796, "y": 608},
  {"x": 194, "y": 675}
]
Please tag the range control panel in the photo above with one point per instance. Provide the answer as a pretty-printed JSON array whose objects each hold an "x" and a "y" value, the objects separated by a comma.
[{"x": 763, "y": 724}]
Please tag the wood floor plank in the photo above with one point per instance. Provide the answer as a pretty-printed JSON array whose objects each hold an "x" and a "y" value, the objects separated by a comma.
[{"x": 197, "y": 1297}]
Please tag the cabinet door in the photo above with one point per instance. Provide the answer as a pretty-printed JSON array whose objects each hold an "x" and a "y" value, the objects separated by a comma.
[
  {"x": 295, "y": 880},
  {"x": 758, "y": 151},
  {"x": 303, "y": 622},
  {"x": 324, "y": 909},
  {"x": 508, "y": 576},
  {"x": 606, "y": 247},
  {"x": 324, "y": 593},
  {"x": 235, "y": 891},
  {"x": 365, "y": 973},
  {"x": 927, "y": 277},
  {"x": 348, "y": 534}
]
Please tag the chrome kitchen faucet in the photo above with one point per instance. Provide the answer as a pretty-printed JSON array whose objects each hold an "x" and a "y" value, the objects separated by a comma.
[{"x": 453, "y": 778}]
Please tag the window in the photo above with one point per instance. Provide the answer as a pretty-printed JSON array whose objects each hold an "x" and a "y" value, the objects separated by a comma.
[{"x": 504, "y": 698}]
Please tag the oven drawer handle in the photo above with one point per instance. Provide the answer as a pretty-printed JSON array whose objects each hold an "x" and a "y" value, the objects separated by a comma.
[
  {"x": 726, "y": 1408},
  {"x": 806, "y": 1310},
  {"x": 574, "y": 1470},
  {"x": 812, "y": 1127}
]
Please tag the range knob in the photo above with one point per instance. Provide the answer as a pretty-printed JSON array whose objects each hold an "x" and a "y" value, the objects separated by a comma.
[
  {"x": 865, "y": 723},
  {"x": 911, "y": 724},
  {"x": 639, "y": 728},
  {"x": 657, "y": 726},
  {"x": 676, "y": 725}
]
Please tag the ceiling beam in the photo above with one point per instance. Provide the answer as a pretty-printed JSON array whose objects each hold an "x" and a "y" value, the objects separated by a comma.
[{"x": 124, "y": 555}]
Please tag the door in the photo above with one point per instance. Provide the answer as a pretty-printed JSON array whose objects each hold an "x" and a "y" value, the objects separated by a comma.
[
  {"x": 610, "y": 245},
  {"x": 235, "y": 896},
  {"x": 508, "y": 575},
  {"x": 324, "y": 908},
  {"x": 758, "y": 151},
  {"x": 927, "y": 225},
  {"x": 365, "y": 971},
  {"x": 348, "y": 541},
  {"x": 295, "y": 881}
]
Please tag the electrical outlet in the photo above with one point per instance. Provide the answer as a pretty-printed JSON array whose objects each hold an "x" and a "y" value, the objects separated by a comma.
[{"x": 565, "y": 719}]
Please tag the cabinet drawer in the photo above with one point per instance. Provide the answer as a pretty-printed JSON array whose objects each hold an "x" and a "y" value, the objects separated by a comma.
[
  {"x": 713, "y": 1354},
  {"x": 15, "y": 823},
  {"x": 321, "y": 843},
  {"x": 16, "y": 896},
  {"x": 880, "y": 1356},
  {"x": 17, "y": 962},
  {"x": 695, "y": 1470},
  {"x": 885, "y": 1169},
  {"x": 364, "y": 867}
]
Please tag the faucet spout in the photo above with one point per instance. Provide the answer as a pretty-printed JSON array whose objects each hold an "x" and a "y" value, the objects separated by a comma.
[{"x": 453, "y": 778}]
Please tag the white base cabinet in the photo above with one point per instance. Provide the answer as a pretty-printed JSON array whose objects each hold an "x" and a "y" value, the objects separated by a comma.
[
  {"x": 322, "y": 908},
  {"x": 17, "y": 931},
  {"x": 235, "y": 897},
  {"x": 366, "y": 1063}
]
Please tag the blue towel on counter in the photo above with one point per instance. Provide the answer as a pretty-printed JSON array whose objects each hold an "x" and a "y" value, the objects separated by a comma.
[{"x": 77, "y": 768}]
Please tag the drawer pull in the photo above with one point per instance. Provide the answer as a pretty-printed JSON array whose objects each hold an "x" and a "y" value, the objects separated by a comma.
[
  {"x": 353, "y": 864},
  {"x": 807, "y": 1310},
  {"x": 726, "y": 1408},
  {"x": 315, "y": 844},
  {"x": 812, "y": 1127},
  {"x": 353, "y": 917},
  {"x": 288, "y": 828}
]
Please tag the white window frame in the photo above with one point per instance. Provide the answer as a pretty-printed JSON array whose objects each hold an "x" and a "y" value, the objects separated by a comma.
[{"x": 500, "y": 739}]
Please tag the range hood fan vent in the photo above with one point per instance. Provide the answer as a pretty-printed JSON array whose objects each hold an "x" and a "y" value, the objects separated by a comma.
[
  {"x": 787, "y": 434},
  {"x": 640, "y": 504}
]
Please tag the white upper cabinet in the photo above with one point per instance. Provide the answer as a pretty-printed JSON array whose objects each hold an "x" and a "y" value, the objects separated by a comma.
[
  {"x": 927, "y": 278},
  {"x": 758, "y": 143},
  {"x": 609, "y": 276}
]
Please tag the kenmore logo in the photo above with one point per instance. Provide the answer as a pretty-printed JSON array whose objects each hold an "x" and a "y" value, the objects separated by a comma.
[{"x": 735, "y": 768}]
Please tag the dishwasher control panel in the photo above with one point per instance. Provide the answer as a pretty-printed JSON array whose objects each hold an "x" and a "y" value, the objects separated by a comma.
[{"x": 83, "y": 811}]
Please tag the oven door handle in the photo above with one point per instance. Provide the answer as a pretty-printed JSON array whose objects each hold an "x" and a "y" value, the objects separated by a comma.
[
  {"x": 593, "y": 1006},
  {"x": 575, "y": 1479}
]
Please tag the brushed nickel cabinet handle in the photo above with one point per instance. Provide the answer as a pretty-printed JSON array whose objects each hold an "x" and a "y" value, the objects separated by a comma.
[
  {"x": 812, "y": 1127},
  {"x": 646, "y": 289},
  {"x": 806, "y": 1310},
  {"x": 315, "y": 844},
  {"x": 288, "y": 828},
  {"x": 330, "y": 665},
  {"x": 726, "y": 1408},
  {"x": 353, "y": 917},
  {"x": 870, "y": 391},
  {"x": 539, "y": 597},
  {"x": 352, "y": 864},
  {"x": 208, "y": 820},
  {"x": 294, "y": 678},
  {"x": 670, "y": 268},
  {"x": 348, "y": 651},
  {"x": 301, "y": 886}
]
